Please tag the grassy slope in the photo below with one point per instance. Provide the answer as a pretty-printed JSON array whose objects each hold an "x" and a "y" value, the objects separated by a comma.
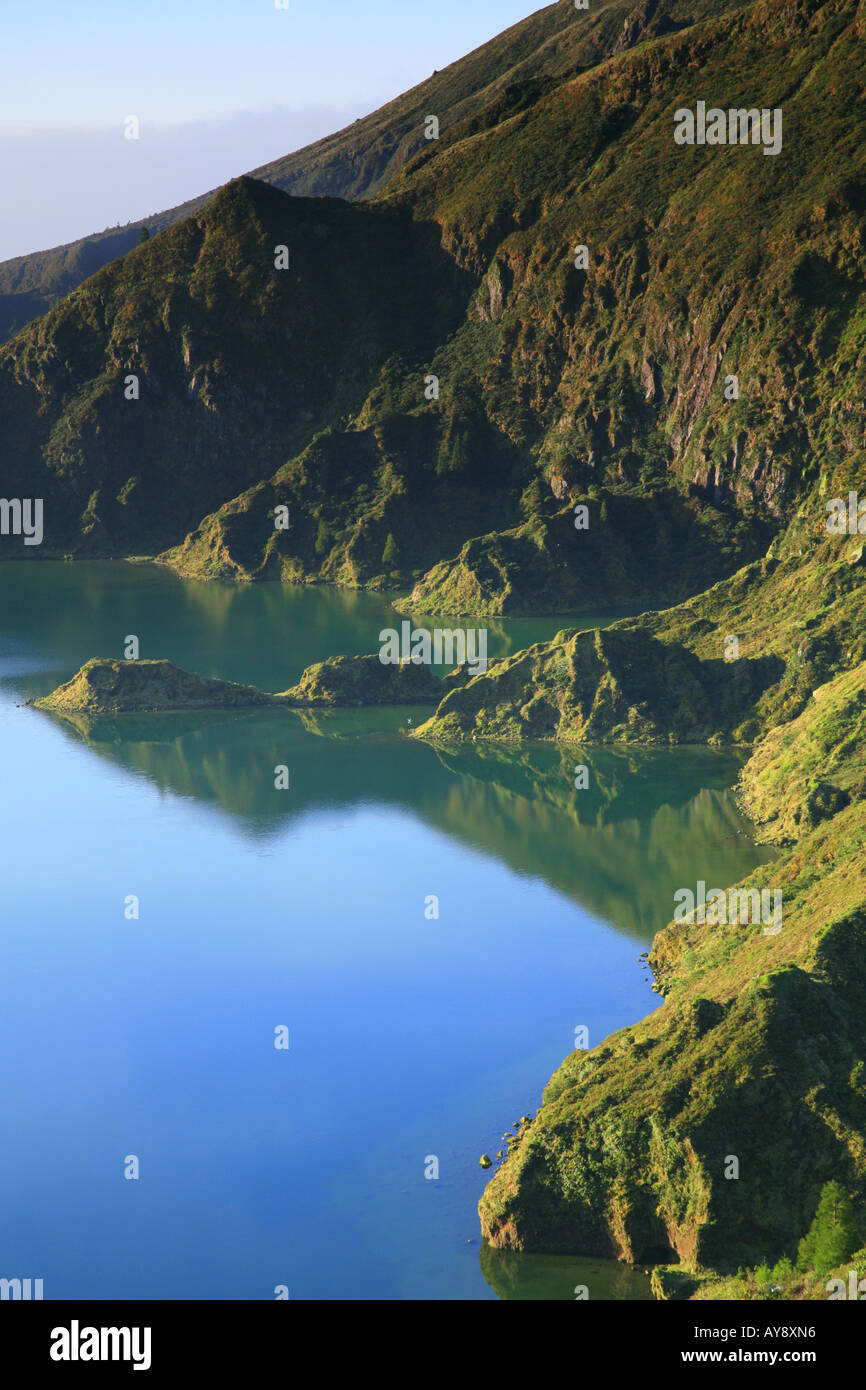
[
  {"x": 758, "y": 1051},
  {"x": 806, "y": 771},
  {"x": 559, "y": 387},
  {"x": 663, "y": 677},
  {"x": 354, "y": 162},
  {"x": 753, "y": 1285},
  {"x": 606, "y": 388},
  {"x": 345, "y": 682},
  {"x": 703, "y": 263},
  {"x": 238, "y": 363},
  {"x": 107, "y": 686}
]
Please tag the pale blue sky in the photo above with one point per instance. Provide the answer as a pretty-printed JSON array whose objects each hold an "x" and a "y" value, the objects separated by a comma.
[{"x": 220, "y": 86}]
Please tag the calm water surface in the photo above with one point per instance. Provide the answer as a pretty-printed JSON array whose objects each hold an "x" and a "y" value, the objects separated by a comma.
[{"x": 408, "y": 1038}]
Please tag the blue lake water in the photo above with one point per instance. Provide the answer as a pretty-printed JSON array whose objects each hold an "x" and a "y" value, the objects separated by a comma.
[{"x": 409, "y": 1038}]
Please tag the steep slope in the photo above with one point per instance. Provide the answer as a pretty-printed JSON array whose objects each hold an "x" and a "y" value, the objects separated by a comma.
[
  {"x": 235, "y": 362},
  {"x": 715, "y": 342},
  {"x": 667, "y": 1141},
  {"x": 626, "y": 433},
  {"x": 723, "y": 668},
  {"x": 354, "y": 162},
  {"x": 805, "y": 771},
  {"x": 30, "y": 285},
  {"x": 756, "y": 1057}
]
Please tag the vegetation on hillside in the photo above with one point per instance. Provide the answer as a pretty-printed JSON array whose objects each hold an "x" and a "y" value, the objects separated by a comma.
[
  {"x": 441, "y": 395},
  {"x": 497, "y": 78},
  {"x": 830, "y": 1263},
  {"x": 106, "y": 686},
  {"x": 189, "y": 369},
  {"x": 530, "y": 434},
  {"x": 659, "y": 1144}
]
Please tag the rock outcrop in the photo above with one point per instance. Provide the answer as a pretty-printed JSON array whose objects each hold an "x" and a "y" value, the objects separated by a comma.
[
  {"x": 106, "y": 686},
  {"x": 348, "y": 681}
]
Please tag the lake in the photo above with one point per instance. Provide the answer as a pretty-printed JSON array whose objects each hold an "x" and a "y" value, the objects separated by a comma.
[{"x": 409, "y": 1039}]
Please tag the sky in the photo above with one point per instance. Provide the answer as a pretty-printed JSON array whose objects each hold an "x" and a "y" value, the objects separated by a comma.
[{"x": 219, "y": 87}]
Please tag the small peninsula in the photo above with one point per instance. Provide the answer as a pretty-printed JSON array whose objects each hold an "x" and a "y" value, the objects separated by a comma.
[
  {"x": 104, "y": 685},
  {"x": 107, "y": 686}
]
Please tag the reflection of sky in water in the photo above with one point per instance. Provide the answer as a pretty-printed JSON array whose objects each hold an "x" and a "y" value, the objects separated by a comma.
[{"x": 409, "y": 1037}]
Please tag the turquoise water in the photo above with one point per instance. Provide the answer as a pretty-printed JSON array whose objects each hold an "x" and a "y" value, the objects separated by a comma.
[{"x": 409, "y": 1038}]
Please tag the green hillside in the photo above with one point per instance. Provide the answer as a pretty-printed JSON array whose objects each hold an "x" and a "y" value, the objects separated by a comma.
[
  {"x": 355, "y": 162},
  {"x": 442, "y": 396},
  {"x": 236, "y": 363},
  {"x": 560, "y": 388},
  {"x": 106, "y": 686},
  {"x": 756, "y": 1056}
]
